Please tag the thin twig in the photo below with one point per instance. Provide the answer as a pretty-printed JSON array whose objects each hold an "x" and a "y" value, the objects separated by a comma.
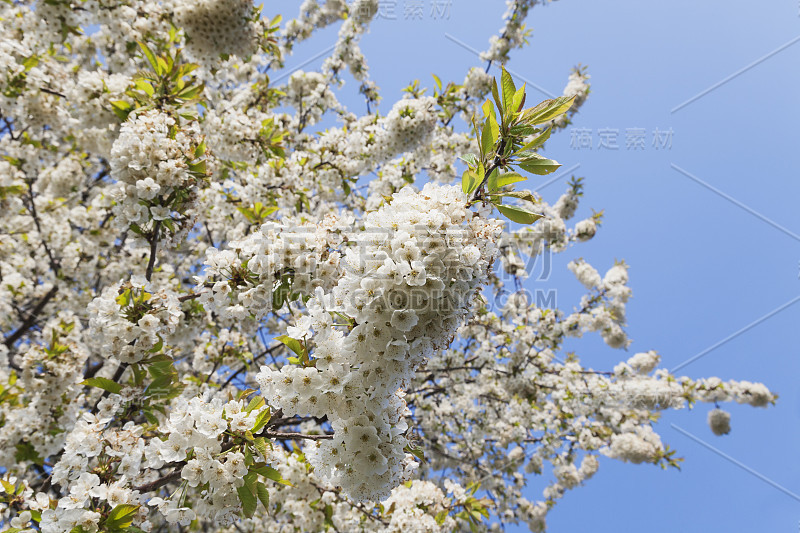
[
  {"x": 51, "y": 91},
  {"x": 14, "y": 337},
  {"x": 289, "y": 436},
  {"x": 153, "y": 246}
]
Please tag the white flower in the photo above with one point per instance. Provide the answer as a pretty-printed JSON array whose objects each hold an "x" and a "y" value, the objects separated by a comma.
[
  {"x": 719, "y": 421},
  {"x": 147, "y": 188},
  {"x": 404, "y": 319},
  {"x": 159, "y": 212},
  {"x": 21, "y": 521},
  {"x": 586, "y": 274},
  {"x": 417, "y": 276},
  {"x": 150, "y": 324},
  {"x": 585, "y": 229},
  {"x": 644, "y": 362},
  {"x": 192, "y": 472}
]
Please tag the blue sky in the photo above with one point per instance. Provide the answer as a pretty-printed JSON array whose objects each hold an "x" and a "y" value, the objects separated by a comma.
[{"x": 703, "y": 264}]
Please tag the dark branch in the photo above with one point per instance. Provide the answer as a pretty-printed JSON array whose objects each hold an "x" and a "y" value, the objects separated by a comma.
[
  {"x": 153, "y": 246},
  {"x": 289, "y": 436},
  {"x": 51, "y": 91},
  {"x": 14, "y": 337},
  {"x": 160, "y": 482}
]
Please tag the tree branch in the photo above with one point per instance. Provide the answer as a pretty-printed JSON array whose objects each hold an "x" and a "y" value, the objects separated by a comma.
[
  {"x": 176, "y": 474},
  {"x": 51, "y": 91},
  {"x": 151, "y": 263},
  {"x": 289, "y": 436},
  {"x": 160, "y": 482},
  {"x": 53, "y": 263},
  {"x": 14, "y": 337}
]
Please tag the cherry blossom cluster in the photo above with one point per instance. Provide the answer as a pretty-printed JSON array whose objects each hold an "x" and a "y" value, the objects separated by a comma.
[
  {"x": 129, "y": 322},
  {"x": 239, "y": 282},
  {"x": 407, "y": 286},
  {"x": 217, "y": 27},
  {"x": 150, "y": 161},
  {"x": 346, "y": 52},
  {"x": 192, "y": 431},
  {"x": 513, "y": 33},
  {"x": 88, "y": 444}
]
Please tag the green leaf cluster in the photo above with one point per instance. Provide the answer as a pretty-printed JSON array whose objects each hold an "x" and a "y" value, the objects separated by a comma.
[
  {"x": 508, "y": 138},
  {"x": 168, "y": 83}
]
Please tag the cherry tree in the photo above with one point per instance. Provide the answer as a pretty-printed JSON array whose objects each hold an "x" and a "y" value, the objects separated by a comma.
[{"x": 231, "y": 304}]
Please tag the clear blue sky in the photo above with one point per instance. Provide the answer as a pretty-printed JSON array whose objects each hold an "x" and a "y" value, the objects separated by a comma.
[{"x": 702, "y": 267}]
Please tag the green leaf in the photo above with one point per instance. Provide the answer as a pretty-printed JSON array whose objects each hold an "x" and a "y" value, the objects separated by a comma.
[
  {"x": 263, "y": 494},
  {"x": 477, "y": 135},
  {"x": 293, "y": 344},
  {"x": 523, "y": 130},
  {"x": 522, "y": 195},
  {"x": 103, "y": 383},
  {"x": 437, "y": 81},
  {"x": 244, "y": 393},
  {"x": 509, "y": 90},
  {"x": 145, "y": 87},
  {"x": 121, "y": 108},
  {"x": 12, "y": 189},
  {"x": 26, "y": 452},
  {"x": 539, "y": 165},
  {"x": 248, "y": 499},
  {"x": 488, "y": 109},
  {"x": 328, "y": 515},
  {"x": 471, "y": 160},
  {"x": 149, "y": 55},
  {"x": 518, "y": 214},
  {"x": 548, "y": 110},
  {"x": 255, "y": 403},
  {"x": 261, "y": 443},
  {"x": 488, "y": 137},
  {"x": 248, "y": 214},
  {"x": 280, "y": 294},
  {"x": 270, "y": 473},
  {"x": 495, "y": 128},
  {"x": 416, "y": 452},
  {"x": 121, "y": 516},
  {"x": 158, "y": 345},
  {"x": 250, "y": 480},
  {"x": 519, "y": 99},
  {"x": 469, "y": 182},
  {"x": 538, "y": 141},
  {"x": 262, "y": 419},
  {"x": 190, "y": 93},
  {"x": 491, "y": 181},
  {"x": 151, "y": 418},
  {"x": 30, "y": 62},
  {"x": 124, "y": 299},
  {"x": 199, "y": 167},
  {"x": 163, "y": 68},
  {"x": 505, "y": 179},
  {"x": 496, "y": 97}
]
